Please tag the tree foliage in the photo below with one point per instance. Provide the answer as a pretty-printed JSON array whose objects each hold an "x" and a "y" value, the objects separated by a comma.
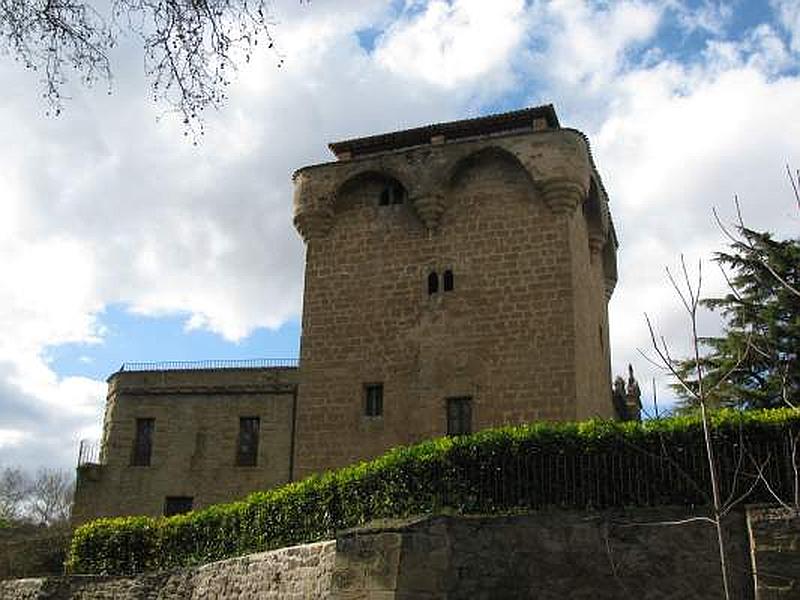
[
  {"x": 754, "y": 363},
  {"x": 191, "y": 47}
]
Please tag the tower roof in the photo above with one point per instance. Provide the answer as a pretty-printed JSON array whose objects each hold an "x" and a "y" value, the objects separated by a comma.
[{"x": 534, "y": 118}]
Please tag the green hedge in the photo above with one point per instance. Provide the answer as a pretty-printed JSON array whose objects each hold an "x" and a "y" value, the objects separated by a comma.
[{"x": 592, "y": 464}]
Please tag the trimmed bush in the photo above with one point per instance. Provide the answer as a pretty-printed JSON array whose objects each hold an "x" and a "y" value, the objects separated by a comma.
[{"x": 591, "y": 464}]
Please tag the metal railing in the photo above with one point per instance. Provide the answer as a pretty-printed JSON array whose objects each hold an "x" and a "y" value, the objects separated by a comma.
[
  {"x": 88, "y": 452},
  {"x": 214, "y": 364}
]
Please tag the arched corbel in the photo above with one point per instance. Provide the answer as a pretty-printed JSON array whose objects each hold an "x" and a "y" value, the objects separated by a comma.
[
  {"x": 314, "y": 223},
  {"x": 609, "y": 253},
  {"x": 562, "y": 195},
  {"x": 430, "y": 207},
  {"x": 596, "y": 219}
]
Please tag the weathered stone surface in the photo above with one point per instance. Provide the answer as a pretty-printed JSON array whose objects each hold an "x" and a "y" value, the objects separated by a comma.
[
  {"x": 31, "y": 551},
  {"x": 521, "y": 220},
  {"x": 550, "y": 555},
  {"x": 294, "y": 573},
  {"x": 775, "y": 552},
  {"x": 196, "y": 416}
]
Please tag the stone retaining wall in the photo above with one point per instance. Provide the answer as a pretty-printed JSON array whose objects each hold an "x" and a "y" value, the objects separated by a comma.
[
  {"x": 292, "y": 573},
  {"x": 545, "y": 555},
  {"x": 32, "y": 551},
  {"x": 775, "y": 552}
]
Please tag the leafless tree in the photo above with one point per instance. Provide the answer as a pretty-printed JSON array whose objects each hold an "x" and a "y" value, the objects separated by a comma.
[
  {"x": 191, "y": 47},
  {"x": 44, "y": 499},
  {"x": 689, "y": 294},
  {"x": 14, "y": 488},
  {"x": 50, "y": 496}
]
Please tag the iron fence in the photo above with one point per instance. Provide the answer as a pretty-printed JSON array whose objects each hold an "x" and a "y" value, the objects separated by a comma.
[
  {"x": 214, "y": 364},
  {"x": 88, "y": 452},
  {"x": 760, "y": 470}
]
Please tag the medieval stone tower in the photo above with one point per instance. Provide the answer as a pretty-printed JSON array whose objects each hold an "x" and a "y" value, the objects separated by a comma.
[{"x": 457, "y": 277}]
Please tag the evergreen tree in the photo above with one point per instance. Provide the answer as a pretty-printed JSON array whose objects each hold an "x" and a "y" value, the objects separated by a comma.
[{"x": 754, "y": 363}]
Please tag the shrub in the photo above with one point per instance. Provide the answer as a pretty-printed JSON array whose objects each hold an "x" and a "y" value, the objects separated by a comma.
[{"x": 592, "y": 464}]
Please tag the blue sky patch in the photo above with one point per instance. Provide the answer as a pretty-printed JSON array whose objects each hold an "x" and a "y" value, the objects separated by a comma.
[{"x": 137, "y": 338}]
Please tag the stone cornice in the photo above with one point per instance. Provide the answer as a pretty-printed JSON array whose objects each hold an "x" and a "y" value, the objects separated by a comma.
[{"x": 203, "y": 390}]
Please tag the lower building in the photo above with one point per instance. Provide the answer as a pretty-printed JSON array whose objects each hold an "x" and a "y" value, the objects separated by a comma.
[{"x": 176, "y": 439}]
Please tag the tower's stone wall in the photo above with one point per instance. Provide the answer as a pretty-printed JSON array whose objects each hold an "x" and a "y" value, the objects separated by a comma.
[{"x": 522, "y": 222}]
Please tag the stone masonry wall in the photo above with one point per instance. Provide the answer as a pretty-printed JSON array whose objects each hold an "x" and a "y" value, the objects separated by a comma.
[
  {"x": 29, "y": 551},
  {"x": 524, "y": 332},
  {"x": 194, "y": 444},
  {"x": 775, "y": 552},
  {"x": 546, "y": 555},
  {"x": 296, "y": 573}
]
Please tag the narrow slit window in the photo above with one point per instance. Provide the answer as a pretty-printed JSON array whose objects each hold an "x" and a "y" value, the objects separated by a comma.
[
  {"x": 398, "y": 193},
  {"x": 448, "y": 281},
  {"x": 433, "y": 283},
  {"x": 385, "y": 199},
  {"x": 247, "y": 444},
  {"x": 143, "y": 443},
  {"x": 373, "y": 400}
]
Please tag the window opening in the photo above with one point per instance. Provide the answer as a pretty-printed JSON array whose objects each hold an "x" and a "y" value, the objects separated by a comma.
[
  {"x": 177, "y": 505},
  {"x": 392, "y": 193},
  {"x": 247, "y": 444},
  {"x": 398, "y": 193},
  {"x": 459, "y": 416},
  {"x": 433, "y": 283},
  {"x": 143, "y": 442},
  {"x": 373, "y": 400},
  {"x": 448, "y": 280}
]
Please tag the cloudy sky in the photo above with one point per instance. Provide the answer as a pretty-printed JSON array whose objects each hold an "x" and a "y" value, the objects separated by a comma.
[{"x": 121, "y": 241}]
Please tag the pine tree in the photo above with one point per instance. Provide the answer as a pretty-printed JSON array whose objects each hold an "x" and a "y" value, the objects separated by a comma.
[{"x": 754, "y": 363}]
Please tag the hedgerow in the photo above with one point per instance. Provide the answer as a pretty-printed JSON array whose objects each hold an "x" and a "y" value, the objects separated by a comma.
[{"x": 592, "y": 464}]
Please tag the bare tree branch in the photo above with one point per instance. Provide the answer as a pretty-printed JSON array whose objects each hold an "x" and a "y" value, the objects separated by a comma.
[
  {"x": 795, "y": 181},
  {"x": 191, "y": 47},
  {"x": 690, "y": 297}
]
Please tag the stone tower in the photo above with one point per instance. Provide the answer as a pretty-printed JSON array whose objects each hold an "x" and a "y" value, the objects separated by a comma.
[{"x": 457, "y": 277}]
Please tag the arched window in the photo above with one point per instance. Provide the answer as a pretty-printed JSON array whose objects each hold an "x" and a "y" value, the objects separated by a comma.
[
  {"x": 392, "y": 193},
  {"x": 433, "y": 283},
  {"x": 448, "y": 280}
]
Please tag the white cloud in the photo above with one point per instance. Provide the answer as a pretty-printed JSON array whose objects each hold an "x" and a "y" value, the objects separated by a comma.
[
  {"x": 761, "y": 48},
  {"x": 455, "y": 43},
  {"x": 708, "y": 16},
  {"x": 586, "y": 44},
  {"x": 789, "y": 17}
]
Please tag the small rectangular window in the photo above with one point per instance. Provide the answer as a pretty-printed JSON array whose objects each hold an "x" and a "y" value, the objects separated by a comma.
[
  {"x": 247, "y": 444},
  {"x": 459, "y": 416},
  {"x": 373, "y": 399},
  {"x": 143, "y": 442},
  {"x": 177, "y": 505}
]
